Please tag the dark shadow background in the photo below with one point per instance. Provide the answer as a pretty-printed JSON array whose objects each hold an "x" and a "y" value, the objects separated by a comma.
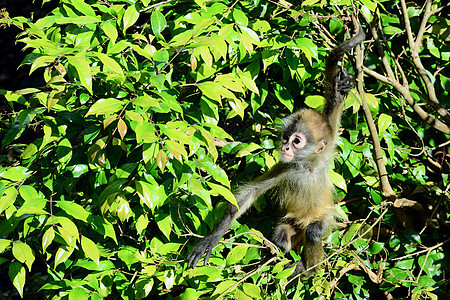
[{"x": 14, "y": 78}]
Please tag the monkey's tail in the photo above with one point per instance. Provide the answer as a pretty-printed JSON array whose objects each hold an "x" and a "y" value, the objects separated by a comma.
[
  {"x": 337, "y": 53},
  {"x": 331, "y": 64}
]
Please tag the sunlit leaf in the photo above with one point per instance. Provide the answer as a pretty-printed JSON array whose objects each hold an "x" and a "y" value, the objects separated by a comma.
[
  {"x": 73, "y": 209},
  {"x": 384, "y": 121},
  {"x": 219, "y": 190},
  {"x": 17, "y": 273},
  {"x": 105, "y": 106},
  {"x": 130, "y": 17},
  {"x": 47, "y": 238},
  {"x": 158, "y": 22},
  {"x": 8, "y": 198},
  {"x": 122, "y": 128},
  {"x": 338, "y": 180},
  {"x": 23, "y": 253},
  {"x": 82, "y": 65},
  {"x": 90, "y": 249}
]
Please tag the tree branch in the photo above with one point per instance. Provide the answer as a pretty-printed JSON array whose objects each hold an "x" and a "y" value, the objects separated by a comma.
[
  {"x": 403, "y": 89},
  {"x": 387, "y": 190},
  {"x": 415, "y": 46}
]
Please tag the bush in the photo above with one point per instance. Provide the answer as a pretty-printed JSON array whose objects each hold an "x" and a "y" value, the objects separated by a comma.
[{"x": 149, "y": 109}]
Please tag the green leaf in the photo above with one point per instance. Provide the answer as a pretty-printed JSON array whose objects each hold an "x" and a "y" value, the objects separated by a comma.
[
  {"x": 210, "y": 89},
  {"x": 309, "y": 2},
  {"x": 81, "y": 64},
  {"x": 110, "y": 31},
  {"x": 149, "y": 194},
  {"x": 249, "y": 82},
  {"x": 201, "y": 3},
  {"x": 27, "y": 192},
  {"x": 285, "y": 273},
  {"x": 176, "y": 149},
  {"x": 372, "y": 101},
  {"x": 384, "y": 121},
  {"x": 248, "y": 149},
  {"x": 73, "y": 209},
  {"x": 372, "y": 6},
  {"x": 127, "y": 255},
  {"x": 8, "y": 198},
  {"x": 110, "y": 63},
  {"x": 218, "y": 173},
  {"x": 223, "y": 286},
  {"x": 238, "y": 107},
  {"x": 17, "y": 273},
  {"x": 158, "y": 22},
  {"x": 376, "y": 247},
  {"x": 47, "y": 238},
  {"x": 17, "y": 173},
  {"x": 314, "y": 101},
  {"x": 191, "y": 293},
  {"x": 141, "y": 223},
  {"x": 308, "y": 48},
  {"x": 144, "y": 285},
  {"x": 62, "y": 254},
  {"x": 338, "y": 180},
  {"x": 284, "y": 96},
  {"x": 64, "y": 152},
  {"x": 34, "y": 206},
  {"x": 3, "y": 244},
  {"x": 29, "y": 151},
  {"x": 78, "y": 293},
  {"x": 90, "y": 249},
  {"x": 23, "y": 253},
  {"x": 84, "y": 8},
  {"x": 105, "y": 106},
  {"x": 240, "y": 17},
  {"x": 236, "y": 254},
  {"x": 68, "y": 225},
  {"x": 102, "y": 226},
  {"x": 130, "y": 17},
  {"x": 123, "y": 208},
  {"x": 218, "y": 190},
  {"x": 252, "y": 290},
  {"x": 164, "y": 223}
]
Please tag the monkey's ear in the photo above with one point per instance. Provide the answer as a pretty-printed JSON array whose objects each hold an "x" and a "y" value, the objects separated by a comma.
[{"x": 322, "y": 145}]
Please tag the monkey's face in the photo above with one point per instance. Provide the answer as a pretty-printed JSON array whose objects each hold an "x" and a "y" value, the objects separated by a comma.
[{"x": 292, "y": 143}]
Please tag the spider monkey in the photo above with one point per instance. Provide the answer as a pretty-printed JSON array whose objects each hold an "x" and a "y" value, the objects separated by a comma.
[{"x": 300, "y": 181}]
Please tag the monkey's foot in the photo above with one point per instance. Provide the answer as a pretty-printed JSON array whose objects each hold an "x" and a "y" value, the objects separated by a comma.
[
  {"x": 343, "y": 82},
  {"x": 299, "y": 268}
]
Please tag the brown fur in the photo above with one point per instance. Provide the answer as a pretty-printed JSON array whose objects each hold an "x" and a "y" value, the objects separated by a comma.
[{"x": 300, "y": 181}]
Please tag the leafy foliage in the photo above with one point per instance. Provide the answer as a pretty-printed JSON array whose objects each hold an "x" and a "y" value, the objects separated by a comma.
[{"x": 152, "y": 112}]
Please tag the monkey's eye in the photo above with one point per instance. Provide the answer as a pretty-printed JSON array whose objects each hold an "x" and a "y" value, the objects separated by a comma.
[
  {"x": 296, "y": 141},
  {"x": 285, "y": 138}
]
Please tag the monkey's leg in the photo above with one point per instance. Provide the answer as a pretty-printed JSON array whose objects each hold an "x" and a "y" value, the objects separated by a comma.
[
  {"x": 312, "y": 252},
  {"x": 285, "y": 236},
  {"x": 312, "y": 249},
  {"x": 282, "y": 236}
]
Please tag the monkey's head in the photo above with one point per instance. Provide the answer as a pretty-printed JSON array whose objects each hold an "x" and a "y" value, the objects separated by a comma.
[{"x": 305, "y": 136}]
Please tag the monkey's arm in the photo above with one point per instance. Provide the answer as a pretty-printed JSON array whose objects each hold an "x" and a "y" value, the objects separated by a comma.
[{"x": 245, "y": 197}]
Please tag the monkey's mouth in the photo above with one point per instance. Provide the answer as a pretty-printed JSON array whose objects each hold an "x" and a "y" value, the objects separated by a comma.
[{"x": 288, "y": 157}]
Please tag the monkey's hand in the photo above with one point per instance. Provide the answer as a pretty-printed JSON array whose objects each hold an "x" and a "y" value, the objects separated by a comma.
[
  {"x": 343, "y": 83},
  {"x": 205, "y": 246}
]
